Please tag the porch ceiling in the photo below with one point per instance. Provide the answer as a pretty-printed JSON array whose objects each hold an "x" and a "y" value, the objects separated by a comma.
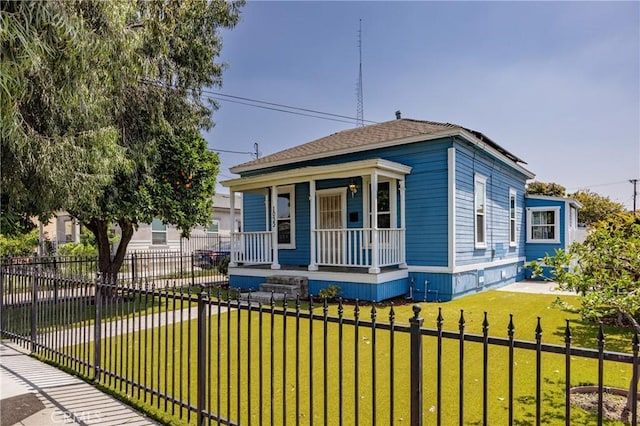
[{"x": 377, "y": 166}]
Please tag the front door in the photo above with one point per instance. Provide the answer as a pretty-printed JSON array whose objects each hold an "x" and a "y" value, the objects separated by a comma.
[{"x": 331, "y": 226}]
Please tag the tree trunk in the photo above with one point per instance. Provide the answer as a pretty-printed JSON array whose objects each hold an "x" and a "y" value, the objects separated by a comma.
[{"x": 109, "y": 265}]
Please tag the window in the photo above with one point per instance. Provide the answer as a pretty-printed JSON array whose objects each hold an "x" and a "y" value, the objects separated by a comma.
[
  {"x": 285, "y": 223},
  {"x": 68, "y": 230},
  {"x": 386, "y": 201},
  {"x": 480, "y": 207},
  {"x": 384, "y": 206},
  {"x": 513, "y": 238},
  {"x": 158, "y": 232},
  {"x": 543, "y": 224},
  {"x": 213, "y": 227}
]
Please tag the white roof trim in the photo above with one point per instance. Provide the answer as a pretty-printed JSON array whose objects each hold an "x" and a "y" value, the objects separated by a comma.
[
  {"x": 394, "y": 142},
  {"x": 571, "y": 201},
  {"x": 303, "y": 174}
]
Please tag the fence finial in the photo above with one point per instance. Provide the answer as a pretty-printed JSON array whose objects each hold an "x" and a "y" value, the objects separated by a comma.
[{"x": 416, "y": 310}]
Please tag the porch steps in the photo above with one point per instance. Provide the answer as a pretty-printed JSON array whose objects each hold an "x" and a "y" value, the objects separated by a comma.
[{"x": 280, "y": 286}]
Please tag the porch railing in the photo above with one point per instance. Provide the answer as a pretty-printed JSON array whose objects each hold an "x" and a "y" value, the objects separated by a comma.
[
  {"x": 251, "y": 247},
  {"x": 351, "y": 247},
  {"x": 356, "y": 247}
]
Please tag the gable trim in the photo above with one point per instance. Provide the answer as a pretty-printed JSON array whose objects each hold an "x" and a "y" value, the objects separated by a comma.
[{"x": 382, "y": 167}]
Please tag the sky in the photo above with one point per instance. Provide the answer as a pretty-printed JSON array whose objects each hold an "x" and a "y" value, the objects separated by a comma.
[{"x": 555, "y": 83}]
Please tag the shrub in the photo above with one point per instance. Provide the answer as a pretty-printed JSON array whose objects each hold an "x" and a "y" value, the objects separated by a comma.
[
  {"x": 331, "y": 292},
  {"x": 223, "y": 266},
  {"x": 20, "y": 245},
  {"x": 77, "y": 249}
]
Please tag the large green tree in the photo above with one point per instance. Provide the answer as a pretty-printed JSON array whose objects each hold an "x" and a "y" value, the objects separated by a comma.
[
  {"x": 56, "y": 77},
  {"x": 604, "y": 270},
  {"x": 109, "y": 129},
  {"x": 595, "y": 207},
  {"x": 550, "y": 189}
]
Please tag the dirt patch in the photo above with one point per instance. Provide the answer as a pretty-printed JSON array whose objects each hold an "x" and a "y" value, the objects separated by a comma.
[
  {"x": 613, "y": 406},
  {"x": 17, "y": 408}
]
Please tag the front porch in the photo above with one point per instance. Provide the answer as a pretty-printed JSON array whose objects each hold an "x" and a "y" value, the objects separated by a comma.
[{"x": 348, "y": 215}]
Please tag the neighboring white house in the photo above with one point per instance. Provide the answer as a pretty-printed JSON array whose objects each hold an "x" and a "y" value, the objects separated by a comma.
[
  {"x": 63, "y": 228},
  {"x": 157, "y": 236}
]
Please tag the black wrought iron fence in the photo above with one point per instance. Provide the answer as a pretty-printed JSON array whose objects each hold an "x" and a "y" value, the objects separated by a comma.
[
  {"x": 197, "y": 355},
  {"x": 162, "y": 267}
]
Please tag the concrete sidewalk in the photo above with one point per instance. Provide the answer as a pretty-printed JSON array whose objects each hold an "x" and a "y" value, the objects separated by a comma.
[
  {"x": 33, "y": 393},
  {"x": 536, "y": 287}
]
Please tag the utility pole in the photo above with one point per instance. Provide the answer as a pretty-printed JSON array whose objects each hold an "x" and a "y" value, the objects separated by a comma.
[
  {"x": 635, "y": 193},
  {"x": 256, "y": 151}
]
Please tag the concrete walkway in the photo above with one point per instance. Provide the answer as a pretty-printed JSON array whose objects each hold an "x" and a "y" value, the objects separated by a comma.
[
  {"x": 536, "y": 287},
  {"x": 36, "y": 394}
]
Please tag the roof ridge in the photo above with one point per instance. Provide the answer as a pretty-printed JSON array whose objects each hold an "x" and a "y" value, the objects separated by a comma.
[{"x": 359, "y": 138}]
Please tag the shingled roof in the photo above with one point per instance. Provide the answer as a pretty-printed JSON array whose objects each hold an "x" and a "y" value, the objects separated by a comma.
[{"x": 362, "y": 138}]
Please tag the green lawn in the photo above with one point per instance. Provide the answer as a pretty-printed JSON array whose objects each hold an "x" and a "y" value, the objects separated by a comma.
[{"x": 165, "y": 366}]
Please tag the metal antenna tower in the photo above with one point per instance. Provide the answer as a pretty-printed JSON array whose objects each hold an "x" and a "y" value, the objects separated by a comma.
[{"x": 360, "y": 107}]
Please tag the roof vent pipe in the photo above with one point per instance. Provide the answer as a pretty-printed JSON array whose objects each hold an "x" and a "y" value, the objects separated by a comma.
[{"x": 398, "y": 115}]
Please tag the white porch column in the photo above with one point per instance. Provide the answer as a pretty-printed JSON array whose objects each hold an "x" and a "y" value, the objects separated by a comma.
[
  {"x": 232, "y": 218},
  {"x": 313, "y": 265},
  {"x": 76, "y": 230},
  {"x": 274, "y": 227},
  {"x": 374, "y": 269},
  {"x": 403, "y": 225}
]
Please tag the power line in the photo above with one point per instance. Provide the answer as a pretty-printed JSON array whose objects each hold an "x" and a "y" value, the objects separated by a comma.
[
  {"x": 231, "y": 152},
  {"x": 257, "y": 101},
  {"x": 597, "y": 185},
  {"x": 286, "y": 111}
]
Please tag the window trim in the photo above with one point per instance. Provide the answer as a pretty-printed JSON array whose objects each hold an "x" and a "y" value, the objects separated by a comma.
[
  {"x": 155, "y": 231},
  {"x": 291, "y": 190},
  {"x": 513, "y": 218},
  {"x": 479, "y": 179},
  {"x": 556, "y": 224},
  {"x": 393, "y": 201},
  {"x": 217, "y": 231}
]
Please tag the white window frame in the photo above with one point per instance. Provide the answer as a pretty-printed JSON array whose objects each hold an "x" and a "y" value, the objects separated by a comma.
[
  {"x": 155, "y": 231},
  {"x": 479, "y": 179},
  {"x": 556, "y": 224},
  {"x": 291, "y": 190},
  {"x": 513, "y": 218},
  {"x": 393, "y": 201},
  {"x": 213, "y": 222}
]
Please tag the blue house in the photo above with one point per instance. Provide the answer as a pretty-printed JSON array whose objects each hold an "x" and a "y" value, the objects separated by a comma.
[{"x": 409, "y": 208}]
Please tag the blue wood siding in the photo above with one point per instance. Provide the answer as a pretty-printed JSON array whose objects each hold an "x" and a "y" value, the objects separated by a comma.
[
  {"x": 430, "y": 287},
  {"x": 485, "y": 279},
  {"x": 500, "y": 179},
  {"x": 362, "y": 291},
  {"x": 372, "y": 292},
  {"x": 254, "y": 213},
  {"x": 245, "y": 282}
]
